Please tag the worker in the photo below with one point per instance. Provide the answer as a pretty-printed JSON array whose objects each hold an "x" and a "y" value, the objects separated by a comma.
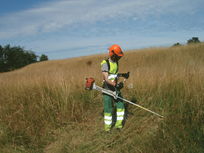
[{"x": 110, "y": 75}]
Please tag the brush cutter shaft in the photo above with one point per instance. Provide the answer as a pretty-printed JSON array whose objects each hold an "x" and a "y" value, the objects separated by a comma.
[
  {"x": 105, "y": 91},
  {"x": 115, "y": 96},
  {"x": 140, "y": 107}
]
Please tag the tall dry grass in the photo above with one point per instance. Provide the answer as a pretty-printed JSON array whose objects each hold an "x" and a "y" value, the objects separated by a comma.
[{"x": 44, "y": 107}]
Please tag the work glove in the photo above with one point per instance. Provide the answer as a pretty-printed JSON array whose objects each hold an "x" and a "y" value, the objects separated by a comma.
[{"x": 119, "y": 85}]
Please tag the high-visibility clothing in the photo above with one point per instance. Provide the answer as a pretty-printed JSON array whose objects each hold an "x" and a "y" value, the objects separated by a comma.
[
  {"x": 110, "y": 102},
  {"x": 112, "y": 69}
]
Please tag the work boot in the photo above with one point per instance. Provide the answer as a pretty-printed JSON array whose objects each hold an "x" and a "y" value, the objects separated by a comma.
[
  {"x": 107, "y": 128},
  {"x": 119, "y": 124}
]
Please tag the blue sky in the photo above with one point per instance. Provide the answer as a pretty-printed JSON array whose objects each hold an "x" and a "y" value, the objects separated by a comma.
[{"x": 70, "y": 28}]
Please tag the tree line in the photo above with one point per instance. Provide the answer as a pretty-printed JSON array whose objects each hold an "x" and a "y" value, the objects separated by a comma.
[
  {"x": 12, "y": 58},
  {"x": 193, "y": 40}
]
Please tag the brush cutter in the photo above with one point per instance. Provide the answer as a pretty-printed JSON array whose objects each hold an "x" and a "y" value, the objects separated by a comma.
[{"x": 90, "y": 85}]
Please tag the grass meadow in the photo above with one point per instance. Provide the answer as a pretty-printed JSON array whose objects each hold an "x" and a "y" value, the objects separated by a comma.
[{"x": 45, "y": 109}]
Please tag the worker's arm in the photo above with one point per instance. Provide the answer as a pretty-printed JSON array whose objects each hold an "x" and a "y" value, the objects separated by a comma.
[{"x": 105, "y": 77}]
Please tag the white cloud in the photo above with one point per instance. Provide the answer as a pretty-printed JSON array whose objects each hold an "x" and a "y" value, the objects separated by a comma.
[{"x": 50, "y": 17}]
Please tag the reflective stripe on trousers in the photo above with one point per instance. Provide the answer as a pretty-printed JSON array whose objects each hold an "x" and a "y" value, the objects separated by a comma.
[
  {"x": 120, "y": 116},
  {"x": 107, "y": 121}
]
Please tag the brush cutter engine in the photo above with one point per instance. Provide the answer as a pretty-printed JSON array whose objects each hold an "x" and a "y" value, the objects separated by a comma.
[{"x": 89, "y": 83}]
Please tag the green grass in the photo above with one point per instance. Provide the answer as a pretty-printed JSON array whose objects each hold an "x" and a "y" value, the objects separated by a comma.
[{"x": 44, "y": 107}]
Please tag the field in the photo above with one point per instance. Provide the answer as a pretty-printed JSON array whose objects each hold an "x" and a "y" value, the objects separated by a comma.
[{"x": 45, "y": 109}]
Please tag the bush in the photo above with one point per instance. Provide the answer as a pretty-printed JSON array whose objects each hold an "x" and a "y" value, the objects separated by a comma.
[
  {"x": 177, "y": 44},
  {"x": 193, "y": 40},
  {"x": 43, "y": 57}
]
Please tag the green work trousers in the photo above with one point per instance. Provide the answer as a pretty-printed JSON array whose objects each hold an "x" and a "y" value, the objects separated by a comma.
[{"x": 109, "y": 104}]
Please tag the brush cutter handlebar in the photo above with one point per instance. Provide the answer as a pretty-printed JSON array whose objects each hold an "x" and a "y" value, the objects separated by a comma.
[{"x": 124, "y": 75}]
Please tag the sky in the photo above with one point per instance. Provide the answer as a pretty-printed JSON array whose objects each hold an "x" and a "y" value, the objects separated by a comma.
[{"x": 72, "y": 28}]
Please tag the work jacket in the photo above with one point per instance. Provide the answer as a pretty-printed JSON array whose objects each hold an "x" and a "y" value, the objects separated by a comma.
[{"x": 112, "y": 69}]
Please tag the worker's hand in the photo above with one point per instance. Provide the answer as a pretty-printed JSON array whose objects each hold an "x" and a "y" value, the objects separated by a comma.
[
  {"x": 119, "y": 85},
  {"x": 114, "y": 83}
]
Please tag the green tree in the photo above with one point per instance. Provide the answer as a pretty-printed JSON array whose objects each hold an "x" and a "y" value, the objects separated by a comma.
[
  {"x": 2, "y": 61},
  {"x": 43, "y": 57},
  {"x": 193, "y": 40},
  {"x": 12, "y": 58}
]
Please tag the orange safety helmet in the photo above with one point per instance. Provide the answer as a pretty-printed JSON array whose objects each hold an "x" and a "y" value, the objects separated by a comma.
[{"x": 115, "y": 49}]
